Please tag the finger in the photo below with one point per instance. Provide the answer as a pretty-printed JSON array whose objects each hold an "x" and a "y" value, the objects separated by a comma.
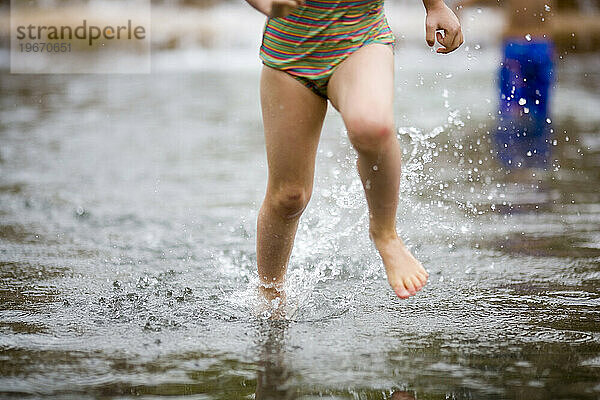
[
  {"x": 462, "y": 39},
  {"x": 442, "y": 41},
  {"x": 285, "y": 3},
  {"x": 295, "y": 3},
  {"x": 457, "y": 41},
  {"x": 448, "y": 42},
  {"x": 449, "y": 37},
  {"x": 430, "y": 33},
  {"x": 440, "y": 38},
  {"x": 282, "y": 8}
]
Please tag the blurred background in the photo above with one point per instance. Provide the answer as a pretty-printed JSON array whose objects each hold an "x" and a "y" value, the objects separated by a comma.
[
  {"x": 193, "y": 23},
  {"x": 127, "y": 225}
]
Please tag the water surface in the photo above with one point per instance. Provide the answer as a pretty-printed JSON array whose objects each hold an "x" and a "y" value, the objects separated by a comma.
[{"x": 127, "y": 228}]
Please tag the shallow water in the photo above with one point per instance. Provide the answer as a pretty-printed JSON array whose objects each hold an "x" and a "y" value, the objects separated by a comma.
[{"x": 128, "y": 206}]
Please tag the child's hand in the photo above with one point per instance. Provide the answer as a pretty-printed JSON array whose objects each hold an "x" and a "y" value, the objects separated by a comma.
[
  {"x": 440, "y": 17},
  {"x": 281, "y": 8}
]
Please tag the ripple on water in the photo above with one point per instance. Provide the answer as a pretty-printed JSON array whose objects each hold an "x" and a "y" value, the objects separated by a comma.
[
  {"x": 574, "y": 295},
  {"x": 549, "y": 335}
]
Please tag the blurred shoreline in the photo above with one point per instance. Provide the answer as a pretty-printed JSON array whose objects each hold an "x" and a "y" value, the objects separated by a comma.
[{"x": 212, "y": 24}]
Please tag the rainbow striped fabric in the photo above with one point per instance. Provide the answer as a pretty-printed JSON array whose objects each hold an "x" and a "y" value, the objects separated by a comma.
[{"x": 315, "y": 38}]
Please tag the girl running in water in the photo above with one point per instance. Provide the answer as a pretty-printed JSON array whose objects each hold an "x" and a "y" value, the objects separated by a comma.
[{"x": 341, "y": 51}]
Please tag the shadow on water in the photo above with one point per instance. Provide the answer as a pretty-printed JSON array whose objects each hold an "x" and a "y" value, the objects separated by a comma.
[
  {"x": 273, "y": 378},
  {"x": 276, "y": 381}
]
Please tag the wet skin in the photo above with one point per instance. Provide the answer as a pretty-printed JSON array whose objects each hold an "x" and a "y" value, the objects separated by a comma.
[{"x": 361, "y": 90}]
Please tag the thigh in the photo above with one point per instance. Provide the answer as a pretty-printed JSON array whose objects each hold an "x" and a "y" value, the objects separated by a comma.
[
  {"x": 363, "y": 84},
  {"x": 292, "y": 117}
]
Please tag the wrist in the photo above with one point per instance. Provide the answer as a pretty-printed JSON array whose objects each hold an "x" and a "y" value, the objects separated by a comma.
[{"x": 433, "y": 4}]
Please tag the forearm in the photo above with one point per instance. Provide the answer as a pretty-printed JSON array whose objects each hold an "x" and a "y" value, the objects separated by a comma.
[{"x": 260, "y": 5}]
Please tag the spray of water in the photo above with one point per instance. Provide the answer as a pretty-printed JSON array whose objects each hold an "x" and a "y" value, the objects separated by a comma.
[{"x": 333, "y": 258}]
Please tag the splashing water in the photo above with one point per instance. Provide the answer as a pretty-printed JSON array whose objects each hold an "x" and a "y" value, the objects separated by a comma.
[{"x": 128, "y": 261}]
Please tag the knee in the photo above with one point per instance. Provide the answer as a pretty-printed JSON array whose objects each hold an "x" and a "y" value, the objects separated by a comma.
[
  {"x": 289, "y": 201},
  {"x": 369, "y": 133}
]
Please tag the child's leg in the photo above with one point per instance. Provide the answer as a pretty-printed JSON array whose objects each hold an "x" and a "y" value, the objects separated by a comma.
[
  {"x": 362, "y": 90},
  {"x": 292, "y": 117}
]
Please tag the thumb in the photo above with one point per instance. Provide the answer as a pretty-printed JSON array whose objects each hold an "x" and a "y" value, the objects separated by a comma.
[{"x": 429, "y": 33}]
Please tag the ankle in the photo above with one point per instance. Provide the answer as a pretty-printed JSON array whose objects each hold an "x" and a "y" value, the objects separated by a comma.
[
  {"x": 383, "y": 235},
  {"x": 271, "y": 292}
]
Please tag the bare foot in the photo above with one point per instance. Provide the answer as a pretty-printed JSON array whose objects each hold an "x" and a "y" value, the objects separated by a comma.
[
  {"x": 273, "y": 301},
  {"x": 405, "y": 273}
]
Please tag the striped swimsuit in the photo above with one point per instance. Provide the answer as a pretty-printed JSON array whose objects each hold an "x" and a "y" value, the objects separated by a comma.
[{"x": 314, "y": 39}]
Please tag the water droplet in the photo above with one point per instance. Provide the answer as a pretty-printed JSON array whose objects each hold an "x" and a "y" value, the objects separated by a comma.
[
  {"x": 522, "y": 101},
  {"x": 529, "y": 154},
  {"x": 528, "y": 37},
  {"x": 548, "y": 120},
  {"x": 375, "y": 167},
  {"x": 526, "y": 110},
  {"x": 546, "y": 7}
]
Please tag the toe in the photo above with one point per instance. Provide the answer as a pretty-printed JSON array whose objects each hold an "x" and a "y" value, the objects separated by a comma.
[
  {"x": 422, "y": 278},
  {"x": 408, "y": 284},
  {"x": 417, "y": 283},
  {"x": 401, "y": 292}
]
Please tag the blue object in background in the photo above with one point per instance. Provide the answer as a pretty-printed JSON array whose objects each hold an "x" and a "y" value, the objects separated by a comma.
[{"x": 523, "y": 133}]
